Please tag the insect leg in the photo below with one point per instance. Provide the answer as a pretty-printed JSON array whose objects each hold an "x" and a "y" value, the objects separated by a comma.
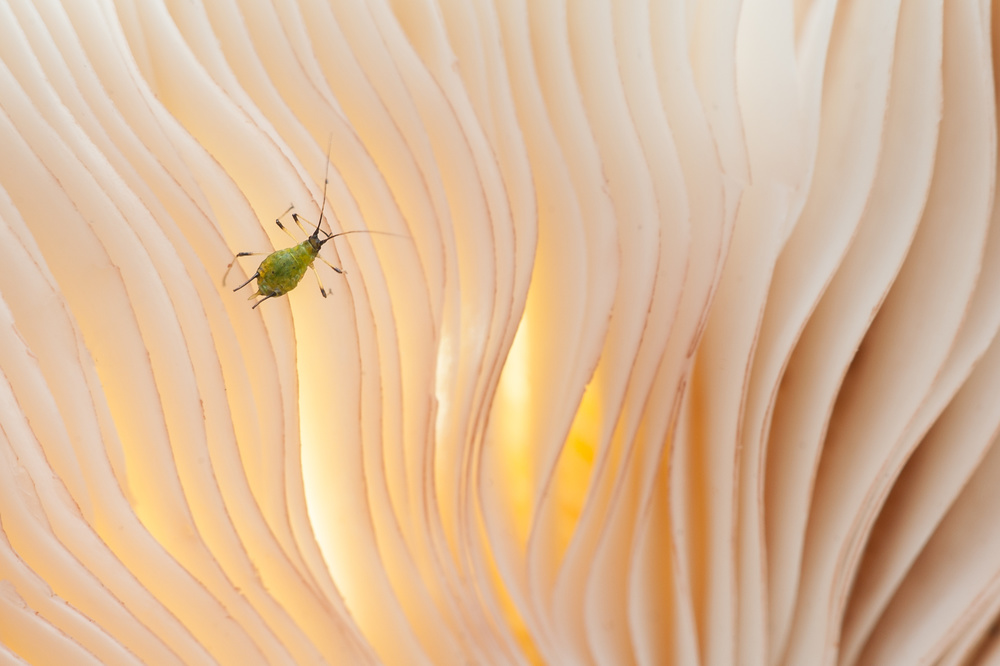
[
  {"x": 277, "y": 221},
  {"x": 322, "y": 289},
  {"x": 230, "y": 266},
  {"x": 298, "y": 220},
  {"x": 339, "y": 270}
]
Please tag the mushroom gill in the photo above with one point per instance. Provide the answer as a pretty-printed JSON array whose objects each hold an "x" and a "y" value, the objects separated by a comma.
[{"x": 681, "y": 346}]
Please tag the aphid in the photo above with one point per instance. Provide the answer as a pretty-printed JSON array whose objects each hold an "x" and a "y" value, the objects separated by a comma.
[{"x": 281, "y": 270}]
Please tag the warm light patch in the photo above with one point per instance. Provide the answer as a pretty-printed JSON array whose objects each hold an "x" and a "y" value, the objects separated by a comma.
[
  {"x": 513, "y": 617},
  {"x": 571, "y": 481},
  {"x": 511, "y": 417}
]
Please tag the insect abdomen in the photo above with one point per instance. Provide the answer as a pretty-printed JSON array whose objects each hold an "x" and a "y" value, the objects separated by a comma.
[{"x": 281, "y": 271}]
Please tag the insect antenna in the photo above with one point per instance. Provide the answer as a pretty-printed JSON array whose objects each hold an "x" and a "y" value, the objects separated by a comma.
[
  {"x": 326, "y": 182},
  {"x": 361, "y": 231}
]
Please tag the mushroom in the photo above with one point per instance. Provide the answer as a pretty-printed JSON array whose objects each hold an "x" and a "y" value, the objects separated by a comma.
[{"x": 679, "y": 345}]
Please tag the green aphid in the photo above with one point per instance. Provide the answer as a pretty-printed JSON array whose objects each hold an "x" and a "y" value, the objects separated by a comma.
[{"x": 281, "y": 270}]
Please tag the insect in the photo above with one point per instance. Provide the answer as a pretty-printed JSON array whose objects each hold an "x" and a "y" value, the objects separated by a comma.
[{"x": 281, "y": 270}]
